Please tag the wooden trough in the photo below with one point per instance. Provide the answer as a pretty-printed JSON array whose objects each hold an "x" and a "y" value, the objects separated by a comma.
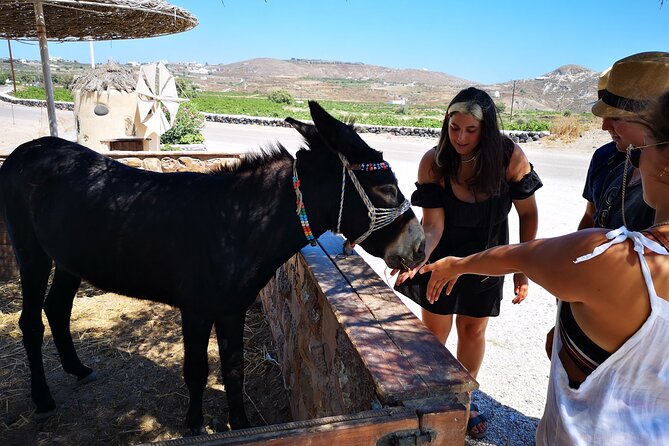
[{"x": 359, "y": 367}]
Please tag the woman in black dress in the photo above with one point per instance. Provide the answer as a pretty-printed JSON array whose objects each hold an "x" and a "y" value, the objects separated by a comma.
[{"x": 466, "y": 186}]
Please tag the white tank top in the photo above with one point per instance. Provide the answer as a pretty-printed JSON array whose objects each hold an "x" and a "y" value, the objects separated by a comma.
[{"x": 625, "y": 400}]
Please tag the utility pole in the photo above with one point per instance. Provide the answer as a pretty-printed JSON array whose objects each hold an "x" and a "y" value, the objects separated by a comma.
[
  {"x": 11, "y": 64},
  {"x": 513, "y": 95}
]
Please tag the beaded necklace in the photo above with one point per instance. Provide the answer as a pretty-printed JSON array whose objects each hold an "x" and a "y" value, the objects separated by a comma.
[{"x": 301, "y": 212}]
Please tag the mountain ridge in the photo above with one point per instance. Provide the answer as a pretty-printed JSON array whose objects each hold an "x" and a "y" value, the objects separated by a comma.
[{"x": 568, "y": 87}]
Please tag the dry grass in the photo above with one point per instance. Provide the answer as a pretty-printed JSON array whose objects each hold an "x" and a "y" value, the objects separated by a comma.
[
  {"x": 135, "y": 348},
  {"x": 567, "y": 128},
  {"x": 570, "y": 127}
]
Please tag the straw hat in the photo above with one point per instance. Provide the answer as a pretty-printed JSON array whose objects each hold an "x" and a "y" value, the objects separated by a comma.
[
  {"x": 602, "y": 81},
  {"x": 632, "y": 83}
]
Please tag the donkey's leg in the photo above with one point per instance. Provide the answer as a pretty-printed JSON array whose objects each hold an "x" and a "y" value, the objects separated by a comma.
[
  {"x": 34, "y": 268},
  {"x": 196, "y": 330},
  {"x": 230, "y": 336},
  {"x": 58, "y": 309}
]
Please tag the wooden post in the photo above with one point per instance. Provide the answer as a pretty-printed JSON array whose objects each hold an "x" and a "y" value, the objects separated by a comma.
[{"x": 46, "y": 69}]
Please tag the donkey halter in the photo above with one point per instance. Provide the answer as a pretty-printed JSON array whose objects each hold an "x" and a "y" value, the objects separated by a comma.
[{"x": 379, "y": 217}]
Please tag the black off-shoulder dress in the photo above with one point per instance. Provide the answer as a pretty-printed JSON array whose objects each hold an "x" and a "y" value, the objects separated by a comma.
[{"x": 468, "y": 228}]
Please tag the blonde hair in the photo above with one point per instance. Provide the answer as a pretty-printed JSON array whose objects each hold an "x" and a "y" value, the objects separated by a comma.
[{"x": 469, "y": 107}]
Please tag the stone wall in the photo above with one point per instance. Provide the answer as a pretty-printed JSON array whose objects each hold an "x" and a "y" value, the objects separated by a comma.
[
  {"x": 322, "y": 373},
  {"x": 346, "y": 344},
  {"x": 177, "y": 161}
]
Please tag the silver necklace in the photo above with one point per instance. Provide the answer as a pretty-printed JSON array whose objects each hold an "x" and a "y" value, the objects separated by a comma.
[
  {"x": 470, "y": 159},
  {"x": 662, "y": 223}
]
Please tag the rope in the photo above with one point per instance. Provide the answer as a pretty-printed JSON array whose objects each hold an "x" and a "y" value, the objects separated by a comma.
[
  {"x": 379, "y": 217},
  {"x": 341, "y": 200}
]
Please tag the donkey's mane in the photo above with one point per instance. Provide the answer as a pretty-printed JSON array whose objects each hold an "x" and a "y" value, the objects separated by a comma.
[{"x": 254, "y": 160}]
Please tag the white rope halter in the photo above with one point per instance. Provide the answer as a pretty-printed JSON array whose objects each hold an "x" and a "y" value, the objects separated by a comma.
[{"x": 379, "y": 217}]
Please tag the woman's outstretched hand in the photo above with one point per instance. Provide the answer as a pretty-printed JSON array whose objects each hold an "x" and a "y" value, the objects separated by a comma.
[
  {"x": 442, "y": 275},
  {"x": 520, "y": 287},
  {"x": 406, "y": 274}
]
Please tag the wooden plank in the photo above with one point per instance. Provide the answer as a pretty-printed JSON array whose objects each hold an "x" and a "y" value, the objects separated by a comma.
[
  {"x": 390, "y": 370},
  {"x": 422, "y": 353},
  {"x": 445, "y": 416},
  {"x": 361, "y": 429}
]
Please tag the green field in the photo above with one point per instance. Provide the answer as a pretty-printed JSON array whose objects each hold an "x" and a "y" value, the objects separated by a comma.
[
  {"x": 361, "y": 112},
  {"x": 59, "y": 93},
  {"x": 259, "y": 105}
]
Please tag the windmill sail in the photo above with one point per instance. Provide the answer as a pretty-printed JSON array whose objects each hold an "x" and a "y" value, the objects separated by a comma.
[{"x": 156, "y": 94}]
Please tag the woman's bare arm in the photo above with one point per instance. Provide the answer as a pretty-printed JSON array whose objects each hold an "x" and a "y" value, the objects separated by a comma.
[{"x": 549, "y": 263}]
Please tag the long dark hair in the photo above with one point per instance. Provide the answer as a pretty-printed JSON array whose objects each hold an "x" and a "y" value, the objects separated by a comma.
[
  {"x": 494, "y": 149},
  {"x": 657, "y": 119}
]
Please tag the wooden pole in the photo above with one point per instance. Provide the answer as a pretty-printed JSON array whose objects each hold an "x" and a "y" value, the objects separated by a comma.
[
  {"x": 11, "y": 64},
  {"x": 46, "y": 69},
  {"x": 90, "y": 45}
]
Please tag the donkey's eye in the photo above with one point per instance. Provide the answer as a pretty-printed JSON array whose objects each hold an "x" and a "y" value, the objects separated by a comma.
[{"x": 388, "y": 192}]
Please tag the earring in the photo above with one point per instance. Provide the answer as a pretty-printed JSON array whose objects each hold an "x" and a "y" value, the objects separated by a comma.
[{"x": 663, "y": 172}]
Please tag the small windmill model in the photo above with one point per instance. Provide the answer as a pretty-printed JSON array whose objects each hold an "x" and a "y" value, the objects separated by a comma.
[{"x": 156, "y": 95}]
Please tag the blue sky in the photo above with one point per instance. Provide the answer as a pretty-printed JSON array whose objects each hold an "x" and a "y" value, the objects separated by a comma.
[{"x": 484, "y": 41}]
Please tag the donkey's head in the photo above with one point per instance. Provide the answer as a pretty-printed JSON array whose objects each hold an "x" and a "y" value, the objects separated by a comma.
[{"x": 368, "y": 206}]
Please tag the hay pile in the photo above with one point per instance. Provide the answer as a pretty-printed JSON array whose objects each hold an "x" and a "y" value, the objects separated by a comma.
[{"x": 135, "y": 348}]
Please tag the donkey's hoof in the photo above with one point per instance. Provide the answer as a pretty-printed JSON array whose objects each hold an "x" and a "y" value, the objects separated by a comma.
[
  {"x": 195, "y": 432},
  {"x": 87, "y": 379},
  {"x": 41, "y": 417},
  {"x": 218, "y": 426}
]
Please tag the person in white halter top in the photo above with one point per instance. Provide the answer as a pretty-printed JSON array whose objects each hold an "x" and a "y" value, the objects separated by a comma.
[{"x": 617, "y": 285}]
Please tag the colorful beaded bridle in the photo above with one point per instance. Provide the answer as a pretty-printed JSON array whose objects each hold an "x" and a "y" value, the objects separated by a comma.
[{"x": 379, "y": 217}]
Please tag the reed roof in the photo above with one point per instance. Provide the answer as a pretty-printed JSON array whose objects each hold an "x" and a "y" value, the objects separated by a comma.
[
  {"x": 94, "y": 19},
  {"x": 109, "y": 76}
]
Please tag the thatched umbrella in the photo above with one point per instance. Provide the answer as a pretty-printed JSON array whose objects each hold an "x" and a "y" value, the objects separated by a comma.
[{"x": 71, "y": 20}]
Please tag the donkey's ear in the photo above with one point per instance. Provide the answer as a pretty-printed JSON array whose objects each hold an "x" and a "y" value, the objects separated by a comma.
[
  {"x": 308, "y": 131},
  {"x": 338, "y": 136}
]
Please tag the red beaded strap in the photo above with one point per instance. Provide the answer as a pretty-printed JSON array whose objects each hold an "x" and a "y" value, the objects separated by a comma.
[{"x": 368, "y": 167}]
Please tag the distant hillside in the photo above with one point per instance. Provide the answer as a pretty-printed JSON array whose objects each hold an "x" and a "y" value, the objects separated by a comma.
[{"x": 569, "y": 87}]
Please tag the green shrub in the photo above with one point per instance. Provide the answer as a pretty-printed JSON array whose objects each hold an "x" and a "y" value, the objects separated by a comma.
[
  {"x": 280, "y": 97},
  {"x": 530, "y": 125},
  {"x": 187, "y": 128},
  {"x": 186, "y": 88}
]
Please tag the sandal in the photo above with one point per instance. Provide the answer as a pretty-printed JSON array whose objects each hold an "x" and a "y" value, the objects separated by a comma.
[{"x": 475, "y": 421}]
